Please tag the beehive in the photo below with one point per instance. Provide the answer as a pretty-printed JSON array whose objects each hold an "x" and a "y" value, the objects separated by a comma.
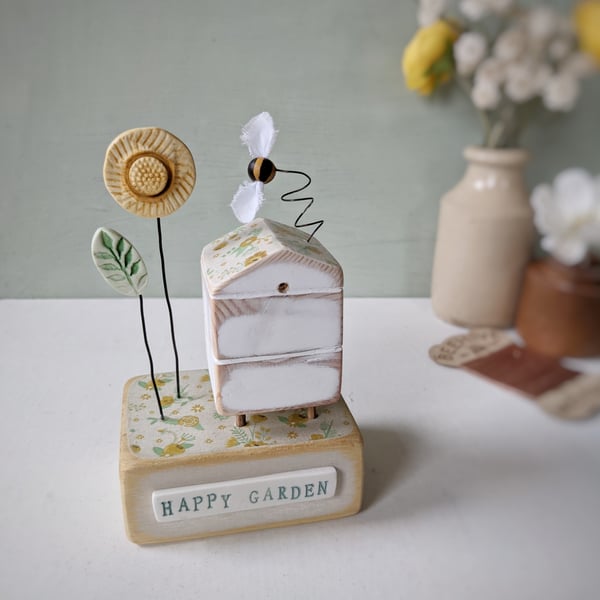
[{"x": 273, "y": 316}]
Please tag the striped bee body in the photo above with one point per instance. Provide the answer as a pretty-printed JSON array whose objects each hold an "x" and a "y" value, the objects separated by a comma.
[{"x": 261, "y": 169}]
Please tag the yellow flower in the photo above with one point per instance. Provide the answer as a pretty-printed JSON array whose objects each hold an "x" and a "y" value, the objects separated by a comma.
[
  {"x": 428, "y": 60},
  {"x": 232, "y": 442},
  {"x": 254, "y": 444},
  {"x": 258, "y": 418},
  {"x": 205, "y": 377},
  {"x": 189, "y": 421},
  {"x": 587, "y": 25},
  {"x": 173, "y": 450},
  {"x": 316, "y": 436},
  {"x": 135, "y": 448},
  {"x": 219, "y": 246},
  {"x": 166, "y": 401},
  {"x": 292, "y": 435},
  {"x": 248, "y": 241},
  {"x": 254, "y": 258}
]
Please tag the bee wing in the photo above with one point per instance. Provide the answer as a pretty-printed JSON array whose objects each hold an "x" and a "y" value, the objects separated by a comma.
[
  {"x": 247, "y": 200},
  {"x": 259, "y": 135}
]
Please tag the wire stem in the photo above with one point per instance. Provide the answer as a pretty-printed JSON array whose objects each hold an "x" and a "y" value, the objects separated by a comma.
[
  {"x": 164, "y": 279},
  {"x": 162, "y": 416}
]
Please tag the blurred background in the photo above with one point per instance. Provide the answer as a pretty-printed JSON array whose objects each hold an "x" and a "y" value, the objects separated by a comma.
[{"x": 76, "y": 73}]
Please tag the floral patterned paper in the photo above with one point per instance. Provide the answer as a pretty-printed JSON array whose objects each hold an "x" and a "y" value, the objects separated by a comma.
[
  {"x": 193, "y": 426},
  {"x": 249, "y": 244}
]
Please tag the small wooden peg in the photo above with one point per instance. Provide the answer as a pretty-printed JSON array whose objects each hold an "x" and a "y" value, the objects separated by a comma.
[
  {"x": 311, "y": 413},
  {"x": 240, "y": 420}
]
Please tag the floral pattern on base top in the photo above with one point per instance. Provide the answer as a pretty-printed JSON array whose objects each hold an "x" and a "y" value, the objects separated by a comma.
[{"x": 193, "y": 426}]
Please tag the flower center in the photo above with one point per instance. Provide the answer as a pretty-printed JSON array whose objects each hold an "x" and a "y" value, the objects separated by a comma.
[{"x": 148, "y": 176}]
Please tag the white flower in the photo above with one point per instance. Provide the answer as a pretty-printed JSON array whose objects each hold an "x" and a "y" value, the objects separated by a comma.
[
  {"x": 430, "y": 11},
  {"x": 579, "y": 64},
  {"x": 485, "y": 94},
  {"x": 491, "y": 69},
  {"x": 469, "y": 51},
  {"x": 559, "y": 48},
  {"x": 510, "y": 44},
  {"x": 474, "y": 9},
  {"x": 521, "y": 84},
  {"x": 561, "y": 92},
  {"x": 567, "y": 215},
  {"x": 543, "y": 22},
  {"x": 500, "y": 6}
]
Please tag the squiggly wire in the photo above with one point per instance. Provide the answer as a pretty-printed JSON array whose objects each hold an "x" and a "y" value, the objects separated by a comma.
[{"x": 309, "y": 199}]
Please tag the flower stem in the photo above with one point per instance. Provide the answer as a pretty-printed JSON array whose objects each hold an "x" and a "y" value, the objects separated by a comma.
[{"x": 160, "y": 410}]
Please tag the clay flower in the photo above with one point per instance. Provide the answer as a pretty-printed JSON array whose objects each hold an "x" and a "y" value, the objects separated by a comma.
[
  {"x": 567, "y": 214},
  {"x": 149, "y": 172}
]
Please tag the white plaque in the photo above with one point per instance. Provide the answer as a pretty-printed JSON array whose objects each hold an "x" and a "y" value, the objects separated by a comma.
[{"x": 207, "y": 499}]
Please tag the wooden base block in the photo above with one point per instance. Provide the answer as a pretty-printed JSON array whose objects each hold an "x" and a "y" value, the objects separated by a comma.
[{"x": 197, "y": 474}]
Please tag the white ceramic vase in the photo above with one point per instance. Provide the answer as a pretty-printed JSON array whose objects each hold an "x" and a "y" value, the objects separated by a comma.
[{"x": 484, "y": 241}]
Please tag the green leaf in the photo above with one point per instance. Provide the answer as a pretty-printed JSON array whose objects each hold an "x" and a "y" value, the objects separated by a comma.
[
  {"x": 186, "y": 446},
  {"x": 135, "y": 267},
  {"x": 128, "y": 256},
  {"x": 118, "y": 268},
  {"x": 106, "y": 241},
  {"x": 104, "y": 255},
  {"x": 158, "y": 451}
]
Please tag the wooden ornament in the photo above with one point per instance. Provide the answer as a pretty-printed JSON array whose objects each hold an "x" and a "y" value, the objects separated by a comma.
[
  {"x": 492, "y": 354},
  {"x": 273, "y": 310},
  {"x": 149, "y": 172},
  {"x": 199, "y": 474}
]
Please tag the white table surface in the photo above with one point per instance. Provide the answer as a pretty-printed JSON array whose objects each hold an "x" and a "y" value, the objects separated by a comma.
[{"x": 470, "y": 490}]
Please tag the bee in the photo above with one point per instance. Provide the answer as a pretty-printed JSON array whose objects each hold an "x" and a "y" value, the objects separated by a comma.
[{"x": 259, "y": 136}]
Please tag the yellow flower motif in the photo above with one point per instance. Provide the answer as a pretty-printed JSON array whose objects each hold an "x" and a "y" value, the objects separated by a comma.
[
  {"x": 587, "y": 25},
  {"x": 248, "y": 241},
  {"x": 316, "y": 436},
  {"x": 197, "y": 408},
  {"x": 292, "y": 435},
  {"x": 135, "y": 448},
  {"x": 208, "y": 441},
  {"x": 205, "y": 377},
  {"x": 296, "y": 419},
  {"x": 219, "y": 246},
  {"x": 159, "y": 384},
  {"x": 173, "y": 450},
  {"x": 159, "y": 441},
  {"x": 252, "y": 444},
  {"x": 166, "y": 401},
  {"x": 258, "y": 418},
  {"x": 189, "y": 421},
  {"x": 254, "y": 258},
  {"x": 139, "y": 437},
  {"x": 428, "y": 59},
  {"x": 145, "y": 396},
  {"x": 221, "y": 427},
  {"x": 232, "y": 442}
]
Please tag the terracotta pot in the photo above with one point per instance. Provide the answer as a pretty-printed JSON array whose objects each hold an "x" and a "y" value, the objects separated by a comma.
[
  {"x": 559, "y": 312},
  {"x": 484, "y": 240}
]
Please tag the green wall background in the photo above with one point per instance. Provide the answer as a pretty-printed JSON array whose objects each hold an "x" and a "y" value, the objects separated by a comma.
[{"x": 75, "y": 73}]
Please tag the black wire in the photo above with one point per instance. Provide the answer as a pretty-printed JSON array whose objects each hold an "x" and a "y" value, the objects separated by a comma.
[
  {"x": 162, "y": 416},
  {"x": 308, "y": 199},
  {"x": 164, "y": 278}
]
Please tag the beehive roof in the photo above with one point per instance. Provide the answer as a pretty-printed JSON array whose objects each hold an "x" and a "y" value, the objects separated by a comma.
[{"x": 259, "y": 243}]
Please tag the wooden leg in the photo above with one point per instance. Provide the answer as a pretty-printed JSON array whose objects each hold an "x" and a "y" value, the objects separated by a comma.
[
  {"x": 311, "y": 413},
  {"x": 240, "y": 420}
]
